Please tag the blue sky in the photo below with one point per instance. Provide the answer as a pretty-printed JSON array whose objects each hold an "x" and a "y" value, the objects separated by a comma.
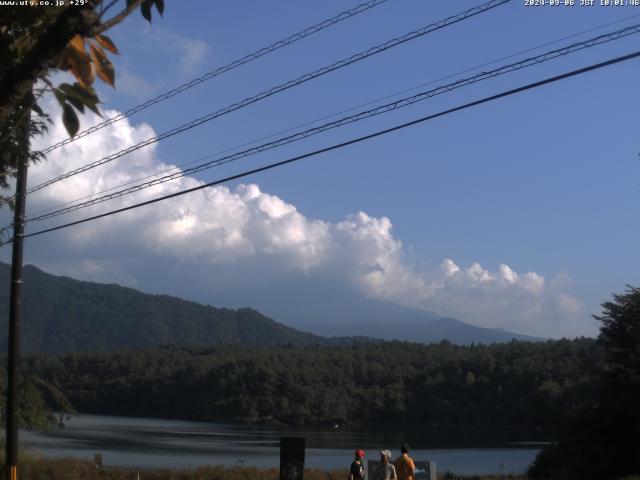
[{"x": 547, "y": 181}]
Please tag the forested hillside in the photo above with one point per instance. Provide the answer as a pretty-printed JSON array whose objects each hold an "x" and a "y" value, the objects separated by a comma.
[
  {"x": 60, "y": 314},
  {"x": 518, "y": 385}
]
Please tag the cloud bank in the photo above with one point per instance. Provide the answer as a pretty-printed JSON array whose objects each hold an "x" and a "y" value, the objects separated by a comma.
[{"x": 268, "y": 236}]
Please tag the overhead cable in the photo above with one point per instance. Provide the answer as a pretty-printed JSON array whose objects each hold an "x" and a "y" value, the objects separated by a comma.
[
  {"x": 280, "y": 88},
  {"x": 180, "y": 166},
  {"x": 370, "y": 136},
  {"x": 363, "y": 7},
  {"x": 404, "y": 102}
]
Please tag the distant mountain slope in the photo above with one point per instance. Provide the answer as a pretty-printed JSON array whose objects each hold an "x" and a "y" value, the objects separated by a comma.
[
  {"x": 64, "y": 315},
  {"x": 331, "y": 309},
  {"x": 427, "y": 329}
]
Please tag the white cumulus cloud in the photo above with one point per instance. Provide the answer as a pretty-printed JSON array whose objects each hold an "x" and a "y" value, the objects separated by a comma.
[{"x": 222, "y": 226}]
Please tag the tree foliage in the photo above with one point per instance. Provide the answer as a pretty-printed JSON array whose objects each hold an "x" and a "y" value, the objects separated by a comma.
[
  {"x": 604, "y": 440},
  {"x": 524, "y": 388},
  {"x": 41, "y": 405},
  {"x": 38, "y": 40},
  {"x": 620, "y": 339}
]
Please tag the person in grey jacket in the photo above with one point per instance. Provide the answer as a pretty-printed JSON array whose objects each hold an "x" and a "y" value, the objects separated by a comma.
[{"x": 386, "y": 471}]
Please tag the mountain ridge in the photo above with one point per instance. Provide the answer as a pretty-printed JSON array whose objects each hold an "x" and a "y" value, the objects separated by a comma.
[{"x": 62, "y": 314}]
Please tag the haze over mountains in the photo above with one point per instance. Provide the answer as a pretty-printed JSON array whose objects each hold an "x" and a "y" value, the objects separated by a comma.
[
  {"x": 321, "y": 307},
  {"x": 63, "y": 315}
]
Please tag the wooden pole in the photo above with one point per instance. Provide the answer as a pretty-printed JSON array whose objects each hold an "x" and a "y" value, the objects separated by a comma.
[{"x": 15, "y": 304}]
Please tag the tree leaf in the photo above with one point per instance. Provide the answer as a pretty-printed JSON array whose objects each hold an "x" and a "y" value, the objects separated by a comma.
[
  {"x": 80, "y": 65},
  {"x": 87, "y": 95},
  {"x": 94, "y": 109},
  {"x": 76, "y": 103},
  {"x": 59, "y": 96},
  {"x": 70, "y": 119},
  {"x": 97, "y": 55},
  {"x": 104, "y": 68},
  {"x": 145, "y": 9},
  {"x": 106, "y": 42},
  {"x": 159, "y": 6},
  {"x": 77, "y": 43}
]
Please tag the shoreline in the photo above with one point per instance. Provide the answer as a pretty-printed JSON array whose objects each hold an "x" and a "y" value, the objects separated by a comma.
[
  {"x": 142, "y": 443},
  {"x": 34, "y": 468}
]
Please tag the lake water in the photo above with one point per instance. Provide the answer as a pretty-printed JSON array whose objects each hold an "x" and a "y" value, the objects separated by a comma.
[{"x": 154, "y": 443}]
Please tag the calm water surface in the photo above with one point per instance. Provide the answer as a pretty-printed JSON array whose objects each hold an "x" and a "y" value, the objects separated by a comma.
[{"x": 154, "y": 443}]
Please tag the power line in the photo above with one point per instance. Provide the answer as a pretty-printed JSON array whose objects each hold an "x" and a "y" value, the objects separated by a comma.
[
  {"x": 226, "y": 68},
  {"x": 401, "y": 103},
  {"x": 507, "y": 93},
  {"x": 282, "y": 87},
  {"x": 332, "y": 115},
  {"x": 491, "y": 62}
]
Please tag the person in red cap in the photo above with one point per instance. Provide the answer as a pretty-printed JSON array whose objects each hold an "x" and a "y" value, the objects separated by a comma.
[{"x": 357, "y": 467}]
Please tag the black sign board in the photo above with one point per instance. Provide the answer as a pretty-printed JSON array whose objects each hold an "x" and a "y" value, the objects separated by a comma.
[
  {"x": 291, "y": 458},
  {"x": 372, "y": 468},
  {"x": 425, "y": 470}
]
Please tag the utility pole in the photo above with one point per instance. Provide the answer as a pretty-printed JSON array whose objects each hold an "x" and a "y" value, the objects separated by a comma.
[{"x": 15, "y": 301}]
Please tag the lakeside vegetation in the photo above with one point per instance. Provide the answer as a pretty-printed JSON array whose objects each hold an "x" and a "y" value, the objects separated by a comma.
[
  {"x": 36, "y": 468},
  {"x": 62, "y": 469}
]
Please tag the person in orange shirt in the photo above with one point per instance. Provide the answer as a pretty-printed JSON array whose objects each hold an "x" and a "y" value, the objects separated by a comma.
[{"x": 405, "y": 468}]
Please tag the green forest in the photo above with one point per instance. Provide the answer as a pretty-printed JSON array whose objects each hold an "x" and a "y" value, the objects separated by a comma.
[
  {"x": 582, "y": 393},
  {"x": 518, "y": 385}
]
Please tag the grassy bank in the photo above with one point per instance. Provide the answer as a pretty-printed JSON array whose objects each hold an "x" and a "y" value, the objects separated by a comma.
[{"x": 67, "y": 468}]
